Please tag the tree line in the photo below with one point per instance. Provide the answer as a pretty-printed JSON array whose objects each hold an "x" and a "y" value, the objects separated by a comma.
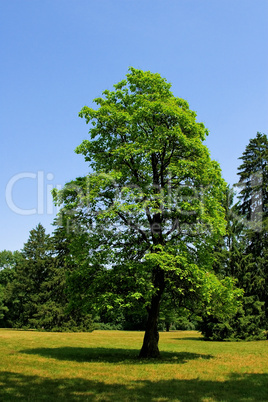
[{"x": 153, "y": 237}]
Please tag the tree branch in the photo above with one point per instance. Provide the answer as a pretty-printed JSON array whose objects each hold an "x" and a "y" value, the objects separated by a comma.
[{"x": 128, "y": 223}]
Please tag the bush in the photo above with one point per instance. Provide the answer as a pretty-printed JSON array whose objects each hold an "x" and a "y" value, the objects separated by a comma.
[
  {"x": 248, "y": 324},
  {"x": 108, "y": 326},
  {"x": 184, "y": 324}
]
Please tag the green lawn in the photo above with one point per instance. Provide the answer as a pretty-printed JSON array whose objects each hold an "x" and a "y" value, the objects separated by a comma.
[{"x": 103, "y": 366}]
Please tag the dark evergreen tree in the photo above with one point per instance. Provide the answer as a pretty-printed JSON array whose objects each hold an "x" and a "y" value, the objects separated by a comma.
[
  {"x": 3, "y": 307},
  {"x": 8, "y": 262},
  {"x": 63, "y": 315},
  {"x": 25, "y": 293},
  {"x": 253, "y": 182},
  {"x": 35, "y": 297},
  {"x": 253, "y": 206},
  {"x": 243, "y": 251}
]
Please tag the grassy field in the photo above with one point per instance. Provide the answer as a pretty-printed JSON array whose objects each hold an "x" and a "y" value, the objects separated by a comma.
[{"x": 103, "y": 366}]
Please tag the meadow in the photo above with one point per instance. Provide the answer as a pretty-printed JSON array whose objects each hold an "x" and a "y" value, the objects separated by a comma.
[{"x": 103, "y": 366}]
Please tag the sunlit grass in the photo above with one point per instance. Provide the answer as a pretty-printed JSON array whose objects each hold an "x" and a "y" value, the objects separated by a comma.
[{"x": 103, "y": 366}]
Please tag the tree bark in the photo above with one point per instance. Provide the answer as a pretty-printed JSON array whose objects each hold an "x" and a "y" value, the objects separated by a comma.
[
  {"x": 167, "y": 326},
  {"x": 151, "y": 337}
]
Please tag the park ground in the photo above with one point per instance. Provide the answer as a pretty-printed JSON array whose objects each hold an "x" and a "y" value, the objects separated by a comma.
[{"x": 103, "y": 366}]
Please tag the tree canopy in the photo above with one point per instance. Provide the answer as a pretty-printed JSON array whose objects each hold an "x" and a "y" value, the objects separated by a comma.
[{"x": 150, "y": 211}]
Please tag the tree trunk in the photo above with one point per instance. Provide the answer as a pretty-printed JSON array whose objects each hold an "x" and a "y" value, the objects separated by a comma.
[
  {"x": 167, "y": 325},
  {"x": 151, "y": 336}
]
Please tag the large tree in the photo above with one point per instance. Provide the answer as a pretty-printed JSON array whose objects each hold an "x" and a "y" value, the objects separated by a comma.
[
  {"x": 253, "y": 207},
  {"x": 150, "y": 211}
]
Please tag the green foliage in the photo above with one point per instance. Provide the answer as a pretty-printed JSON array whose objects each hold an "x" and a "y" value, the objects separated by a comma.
[
  {"x": 147, "y": 217},
  {"x": 172, "y": 317},
  {"x": 8, "y": 262},
  {"x": 253, "y": 178},
  {"x": 243, "y": 252},
  {"x": 35, "y": 293},
  {"x": 3, "y": 308},
  {"x": 247, "y": 324},
  {"x": 24, "y": 293},
  {"x": 253, "y": 206},
  {"x": 9, "y": 259}
]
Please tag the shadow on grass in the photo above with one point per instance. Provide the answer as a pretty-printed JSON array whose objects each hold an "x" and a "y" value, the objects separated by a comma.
[
  {"x": 189, "y": 339},
  {"x": 111, "y": 355},
  {"x": 246, "y": 387}
]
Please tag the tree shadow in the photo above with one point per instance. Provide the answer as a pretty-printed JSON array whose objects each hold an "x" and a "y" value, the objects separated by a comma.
[
  {"x": 200, "y": 339},
  {"x": 238, "y": 388},
  {"x": 111, "y": 355}
]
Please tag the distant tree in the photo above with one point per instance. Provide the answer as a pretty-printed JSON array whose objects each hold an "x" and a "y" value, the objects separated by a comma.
[
  {"x": 150, "y": 212},
  {"x": 173, "y": 314},
  {"x": 253, "y": 179},
  {"x": 249, "y": 321},
  {"x": 24, "y": 293},
  {"x": 8, "y": 259},
  {"x": 8, "y": 262},
  {"x": 59, "y": 312},
  {"x": 253, "y": 206},
  {"x": 3, "y": 308},
  {"x": 35, "y": 297},
  {"x": 243, "y": 252}
]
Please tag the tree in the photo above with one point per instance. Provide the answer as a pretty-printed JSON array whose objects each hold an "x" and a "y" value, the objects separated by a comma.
[
  {"x": 243, "y": 252},
  {"x": 9, "y": 259},
  {"x": 150, "y": 212},
  {"x": 8, "y": 262},
  {"x": 35, "y": 296},
  {"x": 253, "y": 207},
  {"x": 24, "y": 293},
  {"x": 231, "y": 259},
  {"x": 59, "y": 315},
  {"x": 253, "y": 179}
]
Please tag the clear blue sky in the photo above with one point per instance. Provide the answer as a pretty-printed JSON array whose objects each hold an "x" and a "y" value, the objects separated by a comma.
[{"x": 58, "y": 55}]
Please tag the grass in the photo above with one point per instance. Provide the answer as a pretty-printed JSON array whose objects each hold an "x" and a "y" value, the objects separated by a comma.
[{"x": 103, "y": 366}]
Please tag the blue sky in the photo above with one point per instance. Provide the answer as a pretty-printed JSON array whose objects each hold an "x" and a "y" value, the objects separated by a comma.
[{"x": 58, "y": 55}]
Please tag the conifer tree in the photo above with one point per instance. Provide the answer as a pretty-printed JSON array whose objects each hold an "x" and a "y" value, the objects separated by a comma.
[
  {"x": 25, "y": 293},
  {"x": 36, "y": 296},
  {"x": 8, "y": 262},
  {"x": 253, "y": 206},
  {"x": 243, "y": 251}
]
